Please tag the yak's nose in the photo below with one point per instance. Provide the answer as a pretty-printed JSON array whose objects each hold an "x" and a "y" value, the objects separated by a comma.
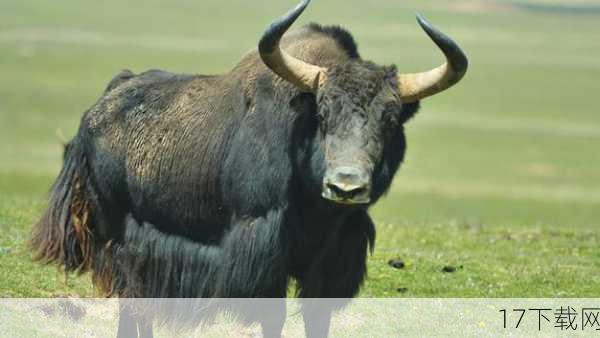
[{"x": 347, "y": 185}]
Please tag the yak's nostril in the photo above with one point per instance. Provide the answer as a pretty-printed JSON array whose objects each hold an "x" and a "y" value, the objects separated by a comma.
[
  {"x": 347, "y": 185},
  {"x": 346, "y": 191}
]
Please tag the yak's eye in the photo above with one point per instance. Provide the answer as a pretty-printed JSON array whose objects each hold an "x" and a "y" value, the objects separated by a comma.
[{"x": 392, "y": 107}]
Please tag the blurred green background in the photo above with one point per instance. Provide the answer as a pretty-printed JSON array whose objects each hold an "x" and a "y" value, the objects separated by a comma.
[{"x": 501, "y": 179}]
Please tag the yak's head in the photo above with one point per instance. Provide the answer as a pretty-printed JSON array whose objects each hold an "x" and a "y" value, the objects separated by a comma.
[{"x": 361, "y": 106}]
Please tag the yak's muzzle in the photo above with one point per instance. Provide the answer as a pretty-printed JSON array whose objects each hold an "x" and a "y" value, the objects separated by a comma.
[{"x": 347, "y": 185}]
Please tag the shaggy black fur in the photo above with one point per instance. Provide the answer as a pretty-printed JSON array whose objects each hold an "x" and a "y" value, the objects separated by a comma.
[
  {"x": 210, "y": 186},
  {"x": 341, "y": 36}
]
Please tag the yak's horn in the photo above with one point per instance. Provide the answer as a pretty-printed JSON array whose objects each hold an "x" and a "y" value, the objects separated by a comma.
[
  {"x": 306, "y": 76},
  {"x": 414, "y": 87}
]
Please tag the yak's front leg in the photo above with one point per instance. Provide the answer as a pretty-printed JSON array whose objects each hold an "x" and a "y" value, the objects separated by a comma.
[
  {"x": 131, "y": 323},
  {"x": 336, "y": 272},
  {"x": 254, "y": 265}
]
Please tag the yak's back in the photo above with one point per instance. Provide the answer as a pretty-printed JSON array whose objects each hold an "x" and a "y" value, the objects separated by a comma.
[
  {"x": 129, "y": 97},
  {"x": 165, "y": 135}
]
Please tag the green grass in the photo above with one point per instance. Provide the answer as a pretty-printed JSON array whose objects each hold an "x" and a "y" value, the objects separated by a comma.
[{"x": 501, "y": 175}]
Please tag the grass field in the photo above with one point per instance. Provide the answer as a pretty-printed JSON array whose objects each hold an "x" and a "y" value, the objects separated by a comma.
[{"x": 502, "y": 177}]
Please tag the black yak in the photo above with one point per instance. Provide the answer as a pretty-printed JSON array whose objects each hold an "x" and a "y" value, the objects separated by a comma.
[{"x": 233, "y": 185}]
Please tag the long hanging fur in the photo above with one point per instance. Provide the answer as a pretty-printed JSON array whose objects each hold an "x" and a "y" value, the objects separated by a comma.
[
  {"x": 151, "y": 266},
  {"x": 63, "y": 235}
]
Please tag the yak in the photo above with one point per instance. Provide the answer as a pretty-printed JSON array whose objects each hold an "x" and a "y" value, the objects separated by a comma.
[{"x": 235, "y": 185}]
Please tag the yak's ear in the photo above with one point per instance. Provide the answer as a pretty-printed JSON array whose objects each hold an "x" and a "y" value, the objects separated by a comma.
[
  {"x": 304, "y": 103},
  {"x": 391, "y": 76},
  {"x": 409, "y": 110}
]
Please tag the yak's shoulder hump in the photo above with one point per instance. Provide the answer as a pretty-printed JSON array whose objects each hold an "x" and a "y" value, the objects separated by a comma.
[{"x": 341, "y": 35}]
